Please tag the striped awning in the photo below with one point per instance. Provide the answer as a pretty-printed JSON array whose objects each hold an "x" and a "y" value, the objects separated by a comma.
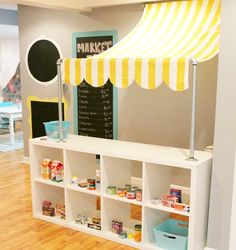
[{"x": 158, "y": 50}]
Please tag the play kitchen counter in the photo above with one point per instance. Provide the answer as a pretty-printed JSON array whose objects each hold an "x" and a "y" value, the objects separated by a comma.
[{"x": 73, "y": 188}]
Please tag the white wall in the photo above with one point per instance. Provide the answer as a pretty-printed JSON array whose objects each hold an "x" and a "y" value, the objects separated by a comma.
[
  {"x": 225, "y": 134},
  {"x": 232, "y": 240}
]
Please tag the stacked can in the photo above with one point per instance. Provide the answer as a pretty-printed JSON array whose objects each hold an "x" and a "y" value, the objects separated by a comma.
[{"x": 91, "y": 184}]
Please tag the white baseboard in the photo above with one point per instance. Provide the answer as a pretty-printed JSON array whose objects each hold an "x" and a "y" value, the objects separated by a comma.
[
  {"x": 26, "y": 160},
  {"x": 208, "y": 248}
]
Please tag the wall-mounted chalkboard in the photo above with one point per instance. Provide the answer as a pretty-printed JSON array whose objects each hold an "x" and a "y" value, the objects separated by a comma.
[
  {"x": 96, "y": 107},
  {"x": 43, "y": 112},
  {"x": 42, "y": 59},
  {"x": 95, "y": 111}
]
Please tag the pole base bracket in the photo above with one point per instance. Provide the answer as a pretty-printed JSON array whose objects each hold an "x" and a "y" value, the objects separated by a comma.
[{"x": 191, "y": 158}]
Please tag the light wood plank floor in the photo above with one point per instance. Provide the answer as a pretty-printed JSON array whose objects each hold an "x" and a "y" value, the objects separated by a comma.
[{"x": 19, "y": 230}]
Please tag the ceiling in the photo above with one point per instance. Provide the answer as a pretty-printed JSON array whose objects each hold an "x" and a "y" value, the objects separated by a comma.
[
  {"x": 8, "y": 31},
  {"x": 11, "y": 32},
  {"x": 81, "y": 5},
  {"x": 8, "y": 6}
]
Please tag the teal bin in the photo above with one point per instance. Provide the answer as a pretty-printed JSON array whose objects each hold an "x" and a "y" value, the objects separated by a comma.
[
  {"x": 172, "y": 235},
  {"x": 52, "y": 129}
]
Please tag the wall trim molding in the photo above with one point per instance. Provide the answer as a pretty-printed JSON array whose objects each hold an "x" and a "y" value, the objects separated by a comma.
[{"x": 208, "y": 248}]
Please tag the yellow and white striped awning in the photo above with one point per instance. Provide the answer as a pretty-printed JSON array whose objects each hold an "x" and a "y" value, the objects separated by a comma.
[{"x": 159, "y": 49}]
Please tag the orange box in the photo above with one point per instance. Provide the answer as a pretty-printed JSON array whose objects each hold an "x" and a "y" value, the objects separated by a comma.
[{"x": 45, "y": 169}]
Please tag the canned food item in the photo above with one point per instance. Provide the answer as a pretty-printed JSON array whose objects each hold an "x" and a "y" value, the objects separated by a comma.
[
  {"x": 111, "y": 190},
  {"x": 128, "y": 187},
  {"x": 45, "y": 169},
  {"x": 134, "y": 189},
  {"x": 138, "y": 232},
  {"x": 123, "y": 235},
  {"x": 91, "y": 184},
  {"x": 121, "y": 192},
  {"x": 139, "y": 195},
  {"x": 117, "y": 227},
  {"x": 130, "y": 235},
  {"x": 131, "y": 195}
]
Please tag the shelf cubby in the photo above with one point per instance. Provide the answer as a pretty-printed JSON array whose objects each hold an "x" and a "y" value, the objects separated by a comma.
[
  {"x": 82, "y": 204},
  {"x": 152, "y": 217},
  {"x": 51, "y": 193},
  {"x": 42, "y": 153},
  {"x": 83, "y": 165},
  {"x": 119, "y": 172},
  {"x": 123, "y": 212},
  {"x": 158, "y": 179}
]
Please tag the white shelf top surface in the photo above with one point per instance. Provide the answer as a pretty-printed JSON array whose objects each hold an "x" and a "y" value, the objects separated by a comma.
[{"x": 127, "y": 150}]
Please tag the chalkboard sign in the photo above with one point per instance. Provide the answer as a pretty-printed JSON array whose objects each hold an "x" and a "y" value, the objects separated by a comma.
[
  {"x": 42, "y": 61},
  {"x": 43, "y": 112},
  {"x": 95, "y": 111},
  {"x": 90, "y": 46},
  {"x": 95, "y": 105}
]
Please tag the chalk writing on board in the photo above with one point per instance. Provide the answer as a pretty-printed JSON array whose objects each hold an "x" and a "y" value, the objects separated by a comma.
[{"x": 95, "y": 104}]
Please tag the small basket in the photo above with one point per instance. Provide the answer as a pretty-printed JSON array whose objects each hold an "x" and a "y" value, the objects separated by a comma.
[
  {"x": 53, "y": 132},
  {"x": 172, "y": 235}
]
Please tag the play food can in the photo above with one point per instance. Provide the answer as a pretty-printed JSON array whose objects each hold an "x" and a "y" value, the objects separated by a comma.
[
  {"x": 128, "y": 187},
  {"x": 91, "y": 184},
  {"x": 111, "y": 190},
  {"x": 138, "y": 232},
  {"x": 121, "y": 192},
  {"x": 131, "y": 195},
  {"x": 139, "y": 195}
]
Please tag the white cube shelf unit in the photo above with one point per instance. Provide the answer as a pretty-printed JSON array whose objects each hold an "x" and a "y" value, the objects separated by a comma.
[{"x": 158, "y": 167}]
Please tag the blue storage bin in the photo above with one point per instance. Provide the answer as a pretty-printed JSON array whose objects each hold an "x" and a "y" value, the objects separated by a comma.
[
  {"x": 6, "y": 104},
  {"x": 172, "y": 235},
  {"x": 52, "y": 129}
]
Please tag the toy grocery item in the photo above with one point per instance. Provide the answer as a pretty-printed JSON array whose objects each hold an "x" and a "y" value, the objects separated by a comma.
[
  {"x": 83, "y": 184},
  {"x": 177, "y": 193},
  {"x": 56, "y": 170},
  {"x": 75, "y": 180},
  {"x": 81, "y": 219},
  {"x": 60, "y": 211},
  {"x": 45, "y": 169},
  {"x": 47, "y": 210},
  {"x": 169, "y": 200},
  {"x": 138, "y": 232},
  {"x": 121, "y": 192},
  {"x": 123, "y": 235},
  {"x": 94, "y": 223},
  {"x": 131, "y": 194},
  {"x": 117, "y": 227},
  {"x": 91, "y": 184},
  {"x": 111, "y": 190},
  {"x": 139, "y": 195}
]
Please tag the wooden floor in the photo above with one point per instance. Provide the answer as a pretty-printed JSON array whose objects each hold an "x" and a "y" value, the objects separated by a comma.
[{"x": 19, "y": 230}]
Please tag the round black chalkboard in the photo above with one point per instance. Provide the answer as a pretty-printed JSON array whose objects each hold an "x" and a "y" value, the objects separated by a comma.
[{"x": 42, "y": 59}]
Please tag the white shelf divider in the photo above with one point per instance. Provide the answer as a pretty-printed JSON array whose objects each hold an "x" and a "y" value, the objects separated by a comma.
[
  {"x": 123, "y": 199},
  {"x": 166, "y": 209},
  {"x": 84, "y": 190},
  {"x": 50, "y": 183}
]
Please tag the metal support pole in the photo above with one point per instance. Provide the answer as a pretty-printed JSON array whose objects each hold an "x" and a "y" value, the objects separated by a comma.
[
  {"x": 59, "y": 61},
  {"x": 193, "y": 117}
]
